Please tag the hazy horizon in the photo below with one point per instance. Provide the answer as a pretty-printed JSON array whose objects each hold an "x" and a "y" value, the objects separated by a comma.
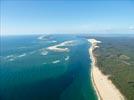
[{"x": 62, "y": 17}]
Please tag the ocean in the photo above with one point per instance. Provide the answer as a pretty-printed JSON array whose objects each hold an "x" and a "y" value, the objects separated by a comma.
[{"x": 46, "y": 67}]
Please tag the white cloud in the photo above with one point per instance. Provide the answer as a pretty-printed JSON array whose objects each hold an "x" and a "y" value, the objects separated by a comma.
[{"x": 131, "y": 27}]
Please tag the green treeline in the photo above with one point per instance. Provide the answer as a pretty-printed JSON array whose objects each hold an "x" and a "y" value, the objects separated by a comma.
[{"x": 115, "y": 58}]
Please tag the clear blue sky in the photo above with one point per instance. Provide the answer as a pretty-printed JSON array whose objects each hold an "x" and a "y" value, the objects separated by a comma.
[{"x": 62, "y": 16}]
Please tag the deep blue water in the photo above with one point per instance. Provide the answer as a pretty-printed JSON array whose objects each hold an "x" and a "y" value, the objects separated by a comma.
[{"x": 26, "y": 74}]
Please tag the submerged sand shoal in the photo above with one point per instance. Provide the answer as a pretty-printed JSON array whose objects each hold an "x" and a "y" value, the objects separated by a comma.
[{"x": 104, "y": 87}]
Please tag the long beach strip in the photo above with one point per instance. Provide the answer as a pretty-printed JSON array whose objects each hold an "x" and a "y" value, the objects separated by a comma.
[{"x": 104, "y": 88}]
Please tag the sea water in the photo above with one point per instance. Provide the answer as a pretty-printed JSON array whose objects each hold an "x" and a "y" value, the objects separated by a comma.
[{"x": 30, "y": 71}]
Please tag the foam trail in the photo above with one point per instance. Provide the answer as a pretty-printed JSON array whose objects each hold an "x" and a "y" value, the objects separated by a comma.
[
  {"x": 54, "y": 41},
  {"x": 11, "y": 59},
  {"x": 67, "y": 58},
  {"x": 42, "y": 37},
  {"x": 22, "y": 55},
  {"x": 9, "y": 56},
  {"x": 44, "y": 53},
  {"x": 56, "y": 61},
  {"x": 14, "y": 57}
]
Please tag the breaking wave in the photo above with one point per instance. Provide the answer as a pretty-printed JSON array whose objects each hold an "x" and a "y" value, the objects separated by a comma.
[
  {"x": 56, "y": 61},
  {"x": 43, "y": 51},
  {"x": 67, "y": 58},
  {"x": 14, "y": 57}
]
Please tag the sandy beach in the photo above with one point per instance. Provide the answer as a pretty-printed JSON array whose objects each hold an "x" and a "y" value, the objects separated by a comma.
[{"x": 104, "y": 87}]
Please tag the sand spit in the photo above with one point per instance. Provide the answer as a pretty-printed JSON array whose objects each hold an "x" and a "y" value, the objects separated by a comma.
[{"x": 57, "y": 48}]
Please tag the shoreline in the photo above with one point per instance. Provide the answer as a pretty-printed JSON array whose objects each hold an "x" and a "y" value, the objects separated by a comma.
[{"x": 104, "y": 88}]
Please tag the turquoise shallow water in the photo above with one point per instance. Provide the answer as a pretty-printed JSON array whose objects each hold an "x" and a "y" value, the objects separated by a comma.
[{"x": 29, "y": 71}]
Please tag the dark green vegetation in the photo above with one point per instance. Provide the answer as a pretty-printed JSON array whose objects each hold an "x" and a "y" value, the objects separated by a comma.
[{"x": 115, "y": 58}]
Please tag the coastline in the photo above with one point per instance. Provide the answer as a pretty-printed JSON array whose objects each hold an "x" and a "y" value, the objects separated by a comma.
[{"x": 103, "y": 87}]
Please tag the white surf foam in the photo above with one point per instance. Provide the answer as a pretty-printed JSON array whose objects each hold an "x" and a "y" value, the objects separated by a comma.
[
  {"x": 42, "y": 36},
  {"x": 14, "y": 57},
  {"x": 56, "y": 61},
  {"x": 43, "y": 51},
  {"x": 11, "y": 59},
  {"x": 22, "y": 55},
  {"x": 93, "y": 41},
  {"x": 67, "y": 58},
  {"x": 9, "y": 56},
  {"x": 54, "y": 41}
]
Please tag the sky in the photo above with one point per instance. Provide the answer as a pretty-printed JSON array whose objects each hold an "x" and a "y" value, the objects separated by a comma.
[{"x": 62, "y": 16}]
